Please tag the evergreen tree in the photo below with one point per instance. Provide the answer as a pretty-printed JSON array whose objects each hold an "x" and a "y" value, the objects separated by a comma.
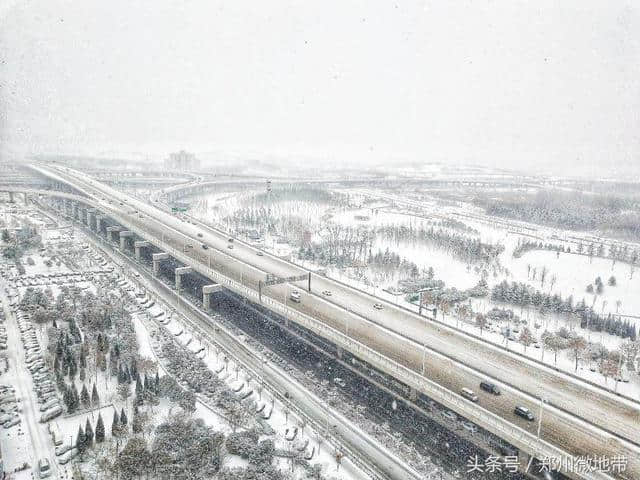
[
  {"x": 88, "y": 434},
  {"x": 67, "y": 398},
  {"x": 139, "y": 388},
  {"x": 95, "y": 399},
  {"x": 80, "y": 440},
  {"x": 115, "y": 425},
  {"x": 100, "y": 429},
  {"x": 76, "y": 396},
  {"x": 156, "y": 387},
  {"x": 73, "y": 368},
  {"x": 84, "y": 397},
  {"x": 136, "y": 425},
  {"x": 113, "y": 365},
  {"x": 65, "y": 362},
  {"x": 134, "y": 370},
  {"x": 123, "y": 418},
  {"x": 60, "y": 382}
]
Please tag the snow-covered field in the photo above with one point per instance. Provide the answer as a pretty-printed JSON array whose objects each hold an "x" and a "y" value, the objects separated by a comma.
[{"x": 567, "y": 274}]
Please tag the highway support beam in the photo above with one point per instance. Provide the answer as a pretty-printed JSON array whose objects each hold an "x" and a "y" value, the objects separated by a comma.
[
  {"x": 11, "y": 199},
  {"x": 137, "y": 245},
  {"x": 91, "y": 219},
  {"x": 111, "y": 232},
  {"x": 26, "y": 198},
  {"x": 207, "y": 290},
  {"x": 157, "y": 258},
  {"x": 178, "y": 274},
  {"x": 124, "y": 234},
  {"x": 99, "y": 220}
]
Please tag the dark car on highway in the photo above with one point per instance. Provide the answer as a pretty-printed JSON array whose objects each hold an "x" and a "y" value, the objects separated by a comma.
[
  {"x": 490, "y": 387},
  {"x": 524, "y": 413}
]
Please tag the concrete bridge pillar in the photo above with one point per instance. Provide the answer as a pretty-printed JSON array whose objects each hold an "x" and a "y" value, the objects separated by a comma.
[
  {"x": 99, "y": 220},
  {"x": 137, "y": 245},
  {"x": 91, "y": 220},
  {"x": 124, "y": 234},
  {"x": 157, "y": 258},
  {"x": 11, "y": 200},
  {"x": 76, "y": 215},
  {"x": 26, "y": 198},
  {"x": 413, "y": 394},
  {"x": 207, "y": 290},
  {"x": 111, "y": 232},
  {"x": 179, "y": 272}
]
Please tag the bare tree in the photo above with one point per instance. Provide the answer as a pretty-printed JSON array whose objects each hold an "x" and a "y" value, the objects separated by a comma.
[
  {"x": 526, "y": 337},
  {"x": 609, "y": 366},
  {"x": 577, "y": 345},
  {"x": 556, "y": 344},
  {"x": 481, "y": 322}
]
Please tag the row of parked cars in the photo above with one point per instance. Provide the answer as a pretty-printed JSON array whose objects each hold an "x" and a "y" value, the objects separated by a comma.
[
  {"x": 45, "y": 389},
  {"x": 43, "y": 381},
  {"x": 48, "y": 278},
  {"x": 3, "y": 335},
  {"x": 9, "y": 416},
  {"x": 9, "y": 412}
]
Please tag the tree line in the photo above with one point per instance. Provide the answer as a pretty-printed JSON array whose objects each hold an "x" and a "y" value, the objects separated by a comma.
[{"x": 518, "y": 293}]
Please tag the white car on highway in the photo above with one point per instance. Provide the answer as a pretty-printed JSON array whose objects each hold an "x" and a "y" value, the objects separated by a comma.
[{"x": 295, "y": 296}]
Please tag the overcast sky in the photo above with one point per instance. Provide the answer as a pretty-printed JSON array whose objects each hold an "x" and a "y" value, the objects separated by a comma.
[{"x": 536, "y": 84}]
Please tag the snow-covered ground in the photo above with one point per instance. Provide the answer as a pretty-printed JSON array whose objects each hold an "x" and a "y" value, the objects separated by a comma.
[{"x": 571, "y": 273}]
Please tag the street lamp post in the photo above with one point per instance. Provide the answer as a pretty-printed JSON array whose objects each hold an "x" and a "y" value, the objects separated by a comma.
[{"x": 542, "y": 402}]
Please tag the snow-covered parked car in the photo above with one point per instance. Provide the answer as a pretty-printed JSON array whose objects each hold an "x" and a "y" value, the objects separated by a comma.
[
  {"x": 50, "y": 414},
  {"x": 68, "y": 456},
  {"x": 14, "y": 421}
]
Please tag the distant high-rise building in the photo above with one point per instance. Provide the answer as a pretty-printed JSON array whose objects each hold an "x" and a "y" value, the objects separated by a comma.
[{"x": 182, "y": 161}]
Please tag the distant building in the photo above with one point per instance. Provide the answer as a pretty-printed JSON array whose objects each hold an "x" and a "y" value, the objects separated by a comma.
[{"x": 182, "y": 161}]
